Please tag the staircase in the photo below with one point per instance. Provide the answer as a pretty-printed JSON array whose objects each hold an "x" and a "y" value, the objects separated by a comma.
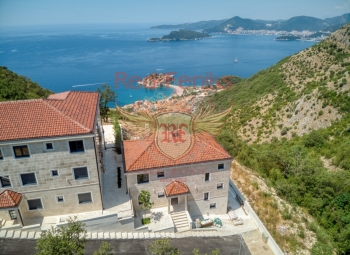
[{"x": 180, "y": 221}]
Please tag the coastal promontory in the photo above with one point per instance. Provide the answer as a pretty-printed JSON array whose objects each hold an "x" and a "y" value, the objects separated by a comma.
[{"x": 181, "y": 35}]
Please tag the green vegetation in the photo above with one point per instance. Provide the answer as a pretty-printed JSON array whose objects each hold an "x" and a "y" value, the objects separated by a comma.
[
  {"x": 294, "y": 166},
  {"x": 145, "y": 200},
  {"x": 15, "y": 87},
  {"x": 229, "y": 80},
  {"x": 105, "y": 249},
  {"x": 287, "y": 38},
  {"x": 163, "y": 247},
  {"x": 184, "y": 35},
  {"x": 107, "y": 95},
  {"x": 146, "y": 221},
  {"x": 69, "y": 239}
]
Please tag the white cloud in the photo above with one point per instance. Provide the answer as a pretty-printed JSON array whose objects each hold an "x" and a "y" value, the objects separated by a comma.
[{"x": 344, "y": 6}]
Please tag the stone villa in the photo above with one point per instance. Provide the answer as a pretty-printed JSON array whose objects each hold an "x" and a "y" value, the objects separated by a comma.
[
  {"x": 50, "y": 156},
  {"x": 197, "y": 182}
]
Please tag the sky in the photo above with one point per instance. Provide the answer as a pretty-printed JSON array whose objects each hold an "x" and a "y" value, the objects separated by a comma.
[{"x": 63, "y": 12}]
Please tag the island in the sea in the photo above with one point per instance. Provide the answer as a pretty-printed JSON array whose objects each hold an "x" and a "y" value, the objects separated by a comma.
[
  {"x": 288, "y": 38},
  {"x": 156, "y": 80},
  {"x": 181, "y": 35}
]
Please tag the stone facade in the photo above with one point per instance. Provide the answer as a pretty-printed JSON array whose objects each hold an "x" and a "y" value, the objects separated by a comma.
[
  {"x": 193, "y": 175},
  {"x": 48, "y": 187}
]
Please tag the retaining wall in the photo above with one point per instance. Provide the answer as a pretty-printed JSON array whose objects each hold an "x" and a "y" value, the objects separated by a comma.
[{"x": 265, "y": 233}]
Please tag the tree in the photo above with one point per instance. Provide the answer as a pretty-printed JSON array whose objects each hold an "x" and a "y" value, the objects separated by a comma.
[
  {"x": 145, "y": 200},
  {"x": 69, "y": 239},
  {"x": 107, "y": 95},
  {"x": 163, "y": 247},
  {"x": 105, "y": 249}
]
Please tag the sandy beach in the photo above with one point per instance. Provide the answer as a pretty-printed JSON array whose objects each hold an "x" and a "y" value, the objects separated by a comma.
[{"x": 178, "y": 90}]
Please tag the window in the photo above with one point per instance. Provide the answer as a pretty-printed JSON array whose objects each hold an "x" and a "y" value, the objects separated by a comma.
[
  {"x": 21, "y": 151},
  {"x": 49, "y": 146},
  {"x": 160, "y": 174},
  {"x": 76, "y": 146},
  {"x": 28, "y": 179},
  {"x": 219, "y": 186},
  {"x": 207, "y": 177},
  {"x": 1, "y": 156},
  {"x": 160, "y": 194},
  {"x": 206, "y": 196},
  {"x": 54, "y": 173},
  {"x": 84, "y": 198},
  {"x": 34, "y": 204},
  {"x": 80, "y": 173},
  {"x": 221, "y": 166},
  {"x": 60, "y": 199},
  {"x": 142, "y": 178},
  {"x": 5, "y": 181},
  {"x": 13, "y": 214},
  {"x": 212, "y": 206}
]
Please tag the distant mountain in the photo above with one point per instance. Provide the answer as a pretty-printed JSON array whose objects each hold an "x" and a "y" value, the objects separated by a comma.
[
  {"x": 193, "y": 26},
  {"x": 339, "y": 20},
  {"x": 268, "y": 21},
  {"x": 298, "y": 23},
  {"x": 301, "y": 23},
  {"x": 236, "y": 22}
]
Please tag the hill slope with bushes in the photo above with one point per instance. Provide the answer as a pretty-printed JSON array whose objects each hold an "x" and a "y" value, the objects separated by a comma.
[
  {"x": 291, "y": 126},
  {"x": 16, "y": 87}
]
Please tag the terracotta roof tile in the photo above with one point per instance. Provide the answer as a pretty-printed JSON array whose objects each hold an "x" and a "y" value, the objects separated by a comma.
[
  {"x": 144, "y": 154},
  {"x": 69, "y": 113},
  {"x": 176, "y": 188},
  {"x": 9, "y": 198}
]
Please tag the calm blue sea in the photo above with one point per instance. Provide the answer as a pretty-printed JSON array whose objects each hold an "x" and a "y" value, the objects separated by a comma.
[{"x": 84, "y": 57}]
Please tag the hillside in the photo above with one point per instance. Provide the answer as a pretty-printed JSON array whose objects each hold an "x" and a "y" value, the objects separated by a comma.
[
  {"x": 298, "y": 23},
  {"x": 236, "y": 22},
  {"x": 193, "y": 26},
  {"x": 291, "y": 126},
  {"x": 15, "y": 87}
]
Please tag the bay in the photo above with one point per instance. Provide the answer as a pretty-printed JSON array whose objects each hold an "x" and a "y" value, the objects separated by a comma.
[{"x": 83, "y": 57}]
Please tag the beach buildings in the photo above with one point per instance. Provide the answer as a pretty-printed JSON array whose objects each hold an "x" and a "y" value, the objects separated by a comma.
[{"x": 50, "y": 156}]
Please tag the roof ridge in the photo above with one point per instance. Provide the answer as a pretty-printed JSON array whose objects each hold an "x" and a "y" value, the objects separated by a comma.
[
  {"x": 64, "y": 115},
  {"x": 21, "y": 101},
  {"x": 226, "y": 154},
  {"x": 144, "y": 151}
]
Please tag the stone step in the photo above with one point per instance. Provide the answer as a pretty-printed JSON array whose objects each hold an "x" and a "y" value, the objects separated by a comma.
[
  {"x": 178, "y": 213},
  {"x": 182, "y": 229},
  {"x": 181, "y": 224},
  {"x": 179, "y": 216},
  {"x": 179, "y": 221}
]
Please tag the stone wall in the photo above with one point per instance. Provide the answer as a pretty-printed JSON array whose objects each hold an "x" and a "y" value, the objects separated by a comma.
[{"x": 40, "y": 162}]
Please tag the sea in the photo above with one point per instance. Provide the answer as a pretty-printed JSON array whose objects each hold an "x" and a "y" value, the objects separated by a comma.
[{"x": 83, "y": 57}]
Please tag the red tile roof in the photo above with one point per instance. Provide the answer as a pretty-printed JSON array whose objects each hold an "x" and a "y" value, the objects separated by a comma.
[
  {"x": 144, "y": 154},
  {"x": 9, "y": 198},
  {"x": 176, "y": 188},
  {"x": 67, "y": 113}
]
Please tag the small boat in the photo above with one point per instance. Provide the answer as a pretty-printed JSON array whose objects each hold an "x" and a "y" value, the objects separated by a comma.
[
  {"x": 236, "y": 60},
  {"x": 130, "y": 95}
]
